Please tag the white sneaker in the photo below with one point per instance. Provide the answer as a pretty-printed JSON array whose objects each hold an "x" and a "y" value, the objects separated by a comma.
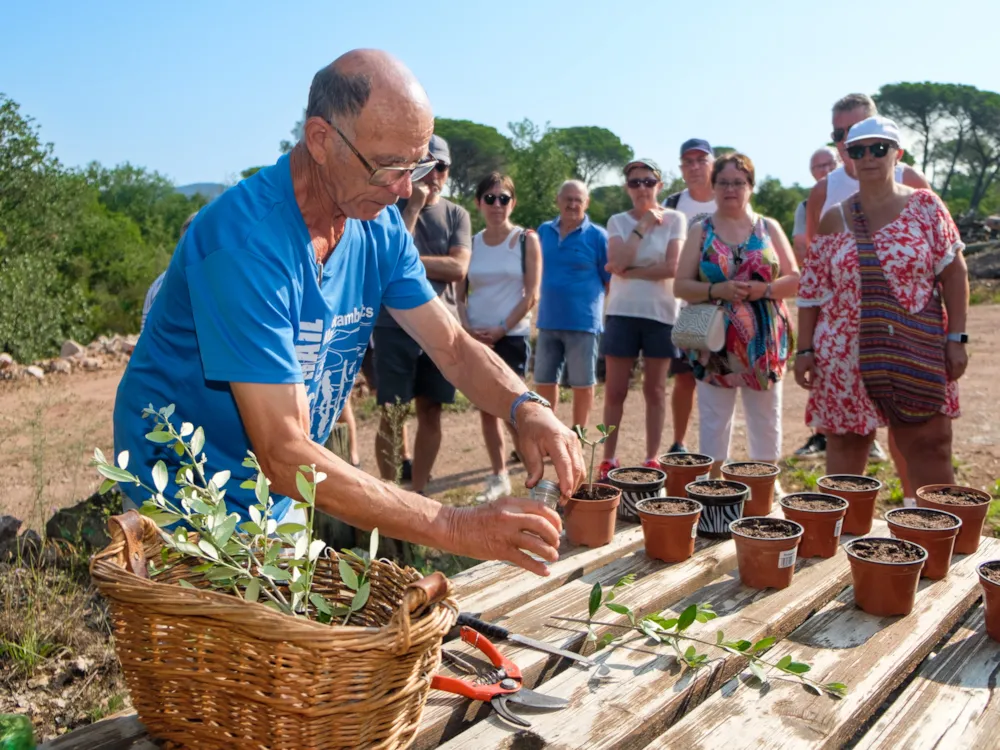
[{"x": 497, "y": 485}]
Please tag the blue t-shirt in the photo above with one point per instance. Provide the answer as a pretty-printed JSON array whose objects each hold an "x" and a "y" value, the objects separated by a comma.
[
  {"x": 573, "y": 277},
  {"x": 245, "y": 300}
]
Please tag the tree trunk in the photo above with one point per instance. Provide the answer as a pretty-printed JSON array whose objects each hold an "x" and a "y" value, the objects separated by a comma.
[
  {"x": 333, "y": 531},
  {"x": 959, "y": 144}
]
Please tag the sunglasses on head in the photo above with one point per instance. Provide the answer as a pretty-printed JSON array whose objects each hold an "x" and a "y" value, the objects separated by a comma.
[
  {"x": 490, "y": 198},
  {"x": 878, "y": 150},
  {"x": 637, "y": 182}
]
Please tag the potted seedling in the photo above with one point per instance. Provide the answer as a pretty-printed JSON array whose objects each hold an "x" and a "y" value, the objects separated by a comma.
[
  {"x": 684, "y": 468},
  {"x": 822, "y": 518},
  {"x": 636, "y": 483},
  {"x": 760, "y": 477},
  {"x": 723, "y": 503},
  {"x": 967, "y": 503},
  {"x": 859, "y": 492},
  {"x": 989, "y": 579},
  {"x": 934, "y": 530},
  {"x": 765, "y": 551},
  {"x": 885, "y": 572},
  {"x": 669, "y": 527},
  {"x": 590, "y": 512}
]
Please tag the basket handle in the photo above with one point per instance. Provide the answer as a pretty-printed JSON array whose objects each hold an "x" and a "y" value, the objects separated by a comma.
[
  {"x": 418, "y": 597},
  {"x": 128, "y": 526}
]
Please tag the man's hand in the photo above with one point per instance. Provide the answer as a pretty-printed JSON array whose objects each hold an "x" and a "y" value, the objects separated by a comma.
[
  {"x": 956, "y": 359},
  {"x": 540, "y": 434},
  {"x": 805, "y": 370},
  {"x": 419, "y": 195},
  {"x": 501, "y": 529}
]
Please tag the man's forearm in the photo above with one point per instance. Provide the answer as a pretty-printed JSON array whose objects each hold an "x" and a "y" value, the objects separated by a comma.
[
  {"x": 807, "y": 326},
  {"x": 444, "y": 268}
]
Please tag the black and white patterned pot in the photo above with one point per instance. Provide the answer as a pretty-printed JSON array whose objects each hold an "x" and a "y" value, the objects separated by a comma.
[
  {"x": 719, "y": 510},
  {"x": 633, "y": 492}
]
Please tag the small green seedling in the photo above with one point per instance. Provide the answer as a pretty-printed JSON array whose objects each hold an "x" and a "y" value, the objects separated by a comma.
[{"x": 581, "y": 433}]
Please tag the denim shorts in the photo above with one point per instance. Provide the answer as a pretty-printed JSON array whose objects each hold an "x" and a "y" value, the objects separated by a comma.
[
  {"x": 574, "y": 350},
  {"x": 626, "y": 337}
]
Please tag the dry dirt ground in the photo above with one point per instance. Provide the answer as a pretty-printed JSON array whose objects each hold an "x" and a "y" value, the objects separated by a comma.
[{"x": 48, "y": 432}]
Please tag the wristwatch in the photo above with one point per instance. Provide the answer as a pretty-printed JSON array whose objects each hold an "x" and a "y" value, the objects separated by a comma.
[
  {"x": 523, "y": 398},
  {"x": 959, "y": 338}
]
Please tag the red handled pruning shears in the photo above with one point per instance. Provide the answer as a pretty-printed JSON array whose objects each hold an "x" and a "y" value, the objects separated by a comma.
[{"x": 499, "y": 686}]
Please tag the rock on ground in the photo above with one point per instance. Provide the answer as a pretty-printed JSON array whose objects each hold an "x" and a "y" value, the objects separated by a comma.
[{"x": 71, "y": 349}]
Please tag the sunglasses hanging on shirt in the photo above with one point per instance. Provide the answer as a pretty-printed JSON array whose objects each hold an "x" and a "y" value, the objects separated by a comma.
[
  {"x": 490, "y": 198},
  {"x": 878, "y": 150}
]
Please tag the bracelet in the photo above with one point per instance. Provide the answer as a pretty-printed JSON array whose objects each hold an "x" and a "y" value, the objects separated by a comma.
[
  {"x": 804, "y": 352},
  {"x": 710, "y": 298},
  {"x": 767, "y": 291},
  {"x": 638, "y": 234}
]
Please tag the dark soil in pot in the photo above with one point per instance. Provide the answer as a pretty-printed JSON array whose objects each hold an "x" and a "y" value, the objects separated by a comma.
[
  {"x": 989, "y": 579},
  {"x": 669, "y": 527},
  {"x": 589, "y": 517},
  {"x": 723, "y": 501},
  {"x": 595, "y": 492},
  {"x": 670, "y": 506},
  {"x": 636, "y": 483},
  {"x": 822, "y": 517},
  {"x": 767, "y": 528},
  {"x": 885, "y": 574},
  {"x": 765, "y": 551},
  {"x": 934, "y": 530},
  {"x": 968, "y": 503},
  {"x": 886, "y": 551},
  {"x": 760, "y": 477},
  {"x": 637, "y": 476},
  {"x": 682, "y": 469},
  {"x": 684, "y": 459},
  {"x": 815, "y": 501},
  {"x": 955, "y": 496},
  {"x": 860, "y": 493},
  {"x": 923, "y": 518},
  {"x": 848, "y": 484}
]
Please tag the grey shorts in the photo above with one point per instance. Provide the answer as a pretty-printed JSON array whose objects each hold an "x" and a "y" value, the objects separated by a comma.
[{"x": 576, "y": 351}]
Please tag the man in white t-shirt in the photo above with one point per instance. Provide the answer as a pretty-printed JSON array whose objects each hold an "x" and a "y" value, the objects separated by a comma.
[
  {"x": 821, "y": 163},
  {"x": 695, "y": 201}
]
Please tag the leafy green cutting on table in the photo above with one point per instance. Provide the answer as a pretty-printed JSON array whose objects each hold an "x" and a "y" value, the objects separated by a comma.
[
  {"x": 673, "y": 630},
  {"x": 257, "y": 560}
]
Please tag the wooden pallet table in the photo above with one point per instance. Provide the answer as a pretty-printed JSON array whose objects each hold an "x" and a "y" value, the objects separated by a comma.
[{"x": 921, "y": 681}]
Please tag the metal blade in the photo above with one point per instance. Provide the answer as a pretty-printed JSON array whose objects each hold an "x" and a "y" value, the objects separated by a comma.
[
  {"x": 526, "y": 697},
  {"x": 500, "y": 706},
  {"x": 548, "y": 648}
]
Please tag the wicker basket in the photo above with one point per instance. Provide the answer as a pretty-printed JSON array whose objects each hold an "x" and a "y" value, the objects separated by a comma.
[{"x": 209, "y": 670}]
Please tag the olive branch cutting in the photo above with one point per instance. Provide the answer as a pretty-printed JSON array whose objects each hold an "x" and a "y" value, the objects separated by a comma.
[{"x": 674, "y": 630}]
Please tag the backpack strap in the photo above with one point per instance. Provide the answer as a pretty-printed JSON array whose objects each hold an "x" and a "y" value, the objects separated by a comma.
[
  {"x": 522, "y": 242},
  {"x": 672, "y": 200}
]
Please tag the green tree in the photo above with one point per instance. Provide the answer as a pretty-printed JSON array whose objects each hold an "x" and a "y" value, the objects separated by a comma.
[
  {"x": 921, "y": 107},
  {"x": 538, "y": 167},
  {"x": 476, "y": 150},
  {"x": 606, "y": 201},
  {"x": 297, "y": 133},
  {"x": 592, "y": 150},
  {"x": 773, "y": 199}
]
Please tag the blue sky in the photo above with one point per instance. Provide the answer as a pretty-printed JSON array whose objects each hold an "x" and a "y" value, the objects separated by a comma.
[{"x": 200, "y": 91}]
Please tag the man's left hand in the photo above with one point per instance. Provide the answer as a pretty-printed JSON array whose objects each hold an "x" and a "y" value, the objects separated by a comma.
[
  {"x": 956, "y": 359},
  {"x": 541, "y": 434}
]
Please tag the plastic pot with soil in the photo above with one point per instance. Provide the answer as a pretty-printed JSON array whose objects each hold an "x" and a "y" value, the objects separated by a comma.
[
  {"x": 989, "y": 579},
  {"x": 722, "y": 502},
  {"x": 822, "y": 518},
  {"x": 765, "y": 551},
  {"x": 934, "y": 530},
  {"x": 760, "y": 477},
  {"x": 885, "y": 574},
  {"x": 684, "y": 468},
  {"x": 589, "y": 516},
  {"x": 967, "y": 503},
  {"x": 859, "y": 492},
  {"x": 636, "y": 483},
  {"x": 669, "y": 527}
]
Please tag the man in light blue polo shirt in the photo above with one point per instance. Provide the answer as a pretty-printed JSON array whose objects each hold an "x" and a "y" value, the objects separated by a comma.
[
  {"x": 571, "y": 304},
  {"x": 267, "y": 307}
]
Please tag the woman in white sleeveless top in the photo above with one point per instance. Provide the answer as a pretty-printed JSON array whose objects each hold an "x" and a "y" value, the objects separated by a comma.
[{"x": 495, "y": 305}]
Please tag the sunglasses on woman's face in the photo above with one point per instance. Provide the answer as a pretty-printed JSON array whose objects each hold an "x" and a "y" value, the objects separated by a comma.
[
  {"x": 489, "y": 199},
  {"x": 637, "y": 182},
  {"x": 878, "y": 150}
]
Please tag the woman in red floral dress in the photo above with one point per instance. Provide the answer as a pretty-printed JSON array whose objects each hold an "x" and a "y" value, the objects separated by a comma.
[{"x": 902, "y": 247}]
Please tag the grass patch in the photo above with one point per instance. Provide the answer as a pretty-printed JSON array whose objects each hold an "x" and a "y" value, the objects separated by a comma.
[{"x": 984, "y": 295}]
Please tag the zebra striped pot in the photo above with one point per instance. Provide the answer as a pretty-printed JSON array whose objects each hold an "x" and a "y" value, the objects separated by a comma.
[
  {"x": 719, "y": 510},
  {"x": 633, "y": 491}
]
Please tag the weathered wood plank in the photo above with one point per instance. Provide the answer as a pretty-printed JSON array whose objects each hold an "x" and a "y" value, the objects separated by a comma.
[
  {"x": 492, "y": 589},
  {"x": 657, "y": 586},
  {"x": 115, "y": 733},
  {"x": 951, "y": 701},
  {"x": 637, "y": 693},
  {"x": 871, "y": 654}
]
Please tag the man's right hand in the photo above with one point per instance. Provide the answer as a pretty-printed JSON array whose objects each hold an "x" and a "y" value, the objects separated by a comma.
[
  {"x": 501, "y": 529},
  {"x": 418, "y": 198}
]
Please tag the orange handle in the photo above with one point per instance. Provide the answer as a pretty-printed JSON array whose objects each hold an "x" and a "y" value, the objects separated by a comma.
[
  {"x": 483, "y": 643},
  {"x": 469, "y": 689}
]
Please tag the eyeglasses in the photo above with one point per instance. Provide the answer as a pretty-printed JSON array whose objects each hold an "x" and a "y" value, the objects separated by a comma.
[
  {"x": 839, "y": 134},
  {"x": 878, "y": 150},
  {"x": 386, "y": 176},
  {"x": 735, "y": 185},
  {"x": 489, "y": 199},
  {"x": 637, "y": 182}
]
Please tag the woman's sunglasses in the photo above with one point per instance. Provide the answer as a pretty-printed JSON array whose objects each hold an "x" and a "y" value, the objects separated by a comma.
[
  {"x": 637, "y": 182},
  {"x": 878, "y": 150},
  {"x": 489, "y": 199}
]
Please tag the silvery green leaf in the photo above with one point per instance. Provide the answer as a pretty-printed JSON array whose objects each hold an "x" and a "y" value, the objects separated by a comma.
[
  {"x": 373, "y": 544},
  {"x": 106, "y": 485},
  {"x": 319, "y": 477},
  {"x": 361, "y": 598},
  {"x": 320, "y": 603},
  {"x": 290, "y": 528},
  {"x": 186, "y": 429},
  {"x": 114, "y": 473},
  {"x": 247, "y": 484},
  {"x": 301, "y": 546},
  {"x": 168, "y": 411},
  {"x": 99, "y": 456},
  {"x": 178, "y": 448},
  {"x": 261, "y": 489},
  {"x": 189, "y": 476},
  {"x": 255, "y": 515},
  {"x": 252, "y": 592},
  {"x": 197, "y": 441},
  {"x": 200, "y": 506},
  {"x": 758, "y": 671},
  {"x": 305, "y": 489},
  {"x": 315, "y": 549},
  {"x": 225, "y": 529},
  {"x": 220, "y": 478},
  {"x": 296, "y": 574},
  {"x": 347, "y": 575},
  {"x": 160, "y": 476},
  {"x": 274, "y": 572},
  {"x": 297, "y": 598},
  {"x": 297, "y": 586},
  {"x": 251, "y": 528},
  {"x": 208, "y": 548},
  {"x": 184, "y": 584},
  {"x": 219, "y": 573},
  {"x": 159, "y": 436},
  {"x": 157, "y": 516},
  {"x": 272, "y": 526}
]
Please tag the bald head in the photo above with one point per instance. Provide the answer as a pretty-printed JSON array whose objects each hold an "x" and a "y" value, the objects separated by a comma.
[{"x": 823, "y": 161}]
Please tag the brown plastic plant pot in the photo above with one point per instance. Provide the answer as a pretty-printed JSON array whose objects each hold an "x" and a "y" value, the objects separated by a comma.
[
  {"x": 766, "y": 563},
  {"x": 669, "y": 536},
  {"x": 860, "y": 503},
  {"x": 939, "y": 543},
  {"x": 884, "y": 589},
  {"x": 591, "y": 523},
  {"x": 972, "y": 516},
  {"x": 991, "y": 597},
  {"x": 761, "y": 486},
  {"x": 822, "y": 527},
  {"x": 679, "y": 477}
]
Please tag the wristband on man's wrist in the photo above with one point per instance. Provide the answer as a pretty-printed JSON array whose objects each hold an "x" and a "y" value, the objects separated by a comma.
[{"x": 803, "y": 352}]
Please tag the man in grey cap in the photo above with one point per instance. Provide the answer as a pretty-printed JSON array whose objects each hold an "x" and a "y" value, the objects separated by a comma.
[{"x": 442, "y": 232}]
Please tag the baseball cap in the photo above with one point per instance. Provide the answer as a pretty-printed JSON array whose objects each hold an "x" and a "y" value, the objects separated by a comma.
[
  {"x": 874, "y": 127},
  {"x": 438, "y": 148},
  {"x": 696, "y": 144},
  {"x": 647, "y": 163}
]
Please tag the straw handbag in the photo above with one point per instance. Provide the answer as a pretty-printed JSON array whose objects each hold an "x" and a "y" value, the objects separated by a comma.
[
  {"x": 210, "y": 670},
  {"x": 700, "y": 327}
]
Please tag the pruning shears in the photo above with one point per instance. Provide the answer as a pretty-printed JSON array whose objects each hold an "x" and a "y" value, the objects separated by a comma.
[{"x": 501, "y": 685}]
